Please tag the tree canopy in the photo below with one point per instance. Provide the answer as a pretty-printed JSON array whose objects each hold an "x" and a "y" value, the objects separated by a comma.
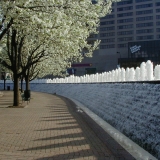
[
  {"x": 52, "y": 33},
  {"x": 61, "y": 26},
  {"x": 74, "y": 19}
]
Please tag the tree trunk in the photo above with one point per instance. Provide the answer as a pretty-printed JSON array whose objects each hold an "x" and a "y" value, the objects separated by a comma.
[
  {"x": 27, "y": 82},
  {"x": 22, "y": 84},
  {"x": 16, "y": 91}
]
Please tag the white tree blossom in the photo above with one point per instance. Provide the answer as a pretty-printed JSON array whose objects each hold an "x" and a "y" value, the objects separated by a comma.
[{"x": 50, "y": 32}]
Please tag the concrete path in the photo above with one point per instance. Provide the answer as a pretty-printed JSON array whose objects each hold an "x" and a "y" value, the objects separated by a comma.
[{"x": 51, "y": 128}]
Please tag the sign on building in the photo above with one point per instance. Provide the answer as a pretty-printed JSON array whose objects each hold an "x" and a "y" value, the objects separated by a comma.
[{"x": 135, "y": 48}]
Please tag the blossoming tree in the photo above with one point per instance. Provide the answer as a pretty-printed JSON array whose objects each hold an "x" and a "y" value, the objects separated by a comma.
[{"x": 33, "y": 31}]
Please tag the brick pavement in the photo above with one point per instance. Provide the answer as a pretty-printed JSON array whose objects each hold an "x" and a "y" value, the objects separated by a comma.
[{"x": 50, "y": 128}]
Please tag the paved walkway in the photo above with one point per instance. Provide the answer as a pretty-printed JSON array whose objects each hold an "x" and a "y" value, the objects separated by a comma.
[{"x": 51, "y": 128}]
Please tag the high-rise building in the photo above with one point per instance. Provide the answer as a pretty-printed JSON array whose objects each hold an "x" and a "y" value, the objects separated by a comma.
[{"x": 129, "y": 35}]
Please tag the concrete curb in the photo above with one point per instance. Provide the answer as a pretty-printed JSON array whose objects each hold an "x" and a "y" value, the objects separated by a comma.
[{"x": 135, "y": 150}]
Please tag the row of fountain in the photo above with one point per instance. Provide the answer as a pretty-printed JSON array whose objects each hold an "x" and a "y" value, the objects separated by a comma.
[{"x": 146, "y": 72}]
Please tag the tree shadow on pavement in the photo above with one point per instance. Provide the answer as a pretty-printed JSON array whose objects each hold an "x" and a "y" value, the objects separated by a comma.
[{"x": 69, "y": 138}]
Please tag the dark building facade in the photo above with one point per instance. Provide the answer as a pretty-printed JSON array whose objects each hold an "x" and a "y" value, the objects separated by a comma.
[
  {"x": 129, "y": 35},
  {"x": 141, "y": 51}
]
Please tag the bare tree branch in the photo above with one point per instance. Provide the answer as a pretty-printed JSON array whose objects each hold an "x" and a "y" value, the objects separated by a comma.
[{"x": 6, "y": 29}]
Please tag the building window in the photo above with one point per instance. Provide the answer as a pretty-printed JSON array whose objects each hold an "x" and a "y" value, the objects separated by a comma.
[
  {"x": 158, "y": 23},
  {"x": 125, "y": 33},
  {"x": 93, "y": 36},
  {"x": 107, "y": 34},
  {"x": 158, "y": 10},
  {"x": 125, "y": 8},
  {"x": 103, "y": 35},
  {"x": 124, "y": 2},
  {"x": 106, "y": 22},
  {"x": 125, "y": 20},
  {"x": 125, "y": 39},
  {"x": 107, "y": 46},
  {"x": 109, "y": 16},
  {"x": 107, "y": 28},
  {"x": 122, "y": 45},
  {"x": 125, "y": 14},
  {"x": 102, "y": 23},
  {"x": 158, "y": 36},
  {"x": 144, "y": 31},
  {"x": 125, "y": 26},
  {"x": 144, "y": 24},
  {"x": 138, "y": 1},
  {"x": 144, "y": 37},
  {"x": 158, "y": 29},
  {"x": 107, "y": 40},
  {"x": 144, "y": 12},
  {"x": 158, "y": 4},
  {"x": 144, "y": 6},
  {"x": 157, "y": 16},
  {"x": 144, "y": 18}
]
